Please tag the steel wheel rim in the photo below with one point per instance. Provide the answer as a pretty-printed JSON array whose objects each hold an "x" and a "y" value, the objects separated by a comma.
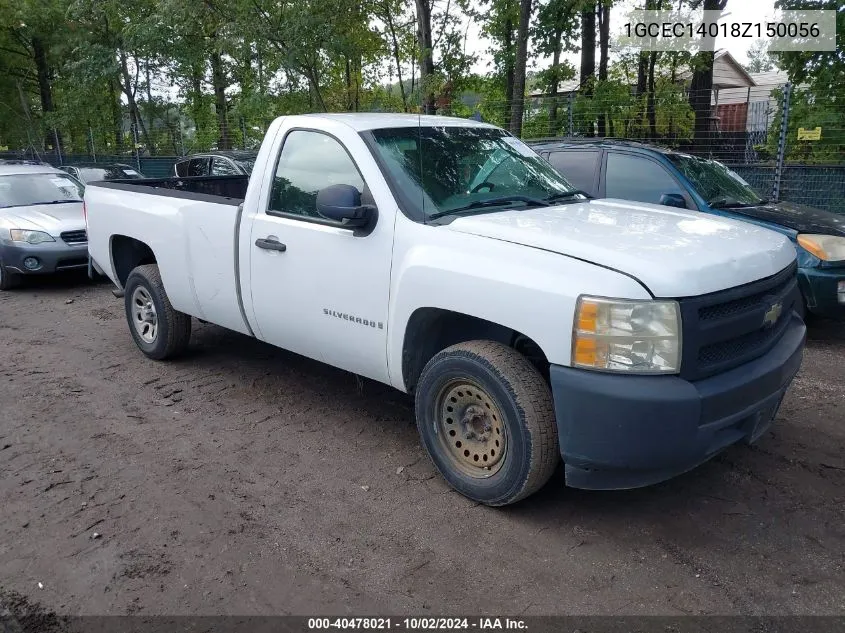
[
  {"x": 471, "y": 429},
  {"x": 144, "y": 316}
]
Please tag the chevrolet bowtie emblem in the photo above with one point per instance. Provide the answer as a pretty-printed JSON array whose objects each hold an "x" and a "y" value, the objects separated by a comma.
[{"x": 772, "y": 315}]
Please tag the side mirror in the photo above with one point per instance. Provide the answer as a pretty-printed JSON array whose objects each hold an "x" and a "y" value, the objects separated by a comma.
[
  {"x": 673, "y": 200},
  {"x": 342, "y": 203}
]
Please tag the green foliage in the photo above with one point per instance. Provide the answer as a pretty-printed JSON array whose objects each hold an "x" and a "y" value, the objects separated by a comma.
[
  {"x": 824, "y": 71},
  {"x": 808, "y": 111}
]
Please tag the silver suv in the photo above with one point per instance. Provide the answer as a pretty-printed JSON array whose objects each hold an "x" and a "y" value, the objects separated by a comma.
[{"x": 42, "y": 223}]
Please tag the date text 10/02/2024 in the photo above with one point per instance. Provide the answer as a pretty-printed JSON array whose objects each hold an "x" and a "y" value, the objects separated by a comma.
[{"x": 418, "y": 624}]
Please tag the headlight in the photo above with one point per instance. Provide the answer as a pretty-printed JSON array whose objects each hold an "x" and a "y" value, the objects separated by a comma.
[
  {"x": 639, "y": 337},
  {"x": 32, "y": 237},
  {"x": 830, "y": 248}
]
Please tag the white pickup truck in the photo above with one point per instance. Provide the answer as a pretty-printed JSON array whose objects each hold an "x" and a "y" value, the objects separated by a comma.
[{"x": 445, "y": 258}]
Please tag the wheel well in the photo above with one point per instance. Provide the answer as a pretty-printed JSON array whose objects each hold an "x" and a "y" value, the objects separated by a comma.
[
  {"x": 433, "y": 329},
  {"x": 127, "y": 253}
]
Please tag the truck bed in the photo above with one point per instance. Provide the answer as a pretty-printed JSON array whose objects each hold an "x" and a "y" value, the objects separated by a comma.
[
  {"x": 230, "y": 188},
  {"x": 190, "y": 224}
]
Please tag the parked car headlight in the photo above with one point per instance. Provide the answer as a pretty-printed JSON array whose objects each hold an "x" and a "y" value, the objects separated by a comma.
[
  {"x": 638, "y": 337},
  {"x": 31, "y": 237},
  {"x": 830, "y": 248}
]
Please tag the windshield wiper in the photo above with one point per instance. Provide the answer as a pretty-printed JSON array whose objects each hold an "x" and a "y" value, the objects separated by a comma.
[
  {"x": 492, "y": 202},
  {"x": 723, "y": 203},
  {"x": 568, "y": 194},
  {"x": 50, "y": 202}
]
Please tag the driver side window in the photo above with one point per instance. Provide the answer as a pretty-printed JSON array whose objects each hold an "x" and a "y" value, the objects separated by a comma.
[{"x": 310, "y": 161}]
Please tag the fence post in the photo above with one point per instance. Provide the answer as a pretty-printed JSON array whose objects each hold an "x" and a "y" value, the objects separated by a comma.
[
  {"x": 58, "y": 146},
  {"x": 91, "y": 140},
  {"x": 134, "y": 126},
  {"x": 784, "y": 125},
  {"x": 569, "y": 108}
]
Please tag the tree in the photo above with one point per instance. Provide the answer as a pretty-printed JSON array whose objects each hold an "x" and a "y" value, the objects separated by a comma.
[
  {"x": 520, "y": 67},
  {"x": 554, "y": 34},
  {"x": 759, "y": 59},
  {"x": 702, "y": 79},
  {"x": 824, "y": 71}
]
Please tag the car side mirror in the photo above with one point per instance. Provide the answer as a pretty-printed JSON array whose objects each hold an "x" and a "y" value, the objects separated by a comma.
[
  {"x": 342, "y": 203},
  {"x": 673, "y": 200}
]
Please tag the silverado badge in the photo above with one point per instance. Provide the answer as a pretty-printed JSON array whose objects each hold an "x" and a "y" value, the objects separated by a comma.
[{"x": 772, "y": 315}]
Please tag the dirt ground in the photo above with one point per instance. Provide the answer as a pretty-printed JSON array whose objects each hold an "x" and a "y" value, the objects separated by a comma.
[{"x": 246, "y": 480}]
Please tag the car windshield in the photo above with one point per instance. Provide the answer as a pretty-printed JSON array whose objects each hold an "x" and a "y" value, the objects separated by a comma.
[
  {"x": 246, "y": 163},
  {"x": 21, "y": 190},
  {"x": 111, "y": 172},
  {"x": 718, "y": 185},
  {"x": 445, "y": 170}
]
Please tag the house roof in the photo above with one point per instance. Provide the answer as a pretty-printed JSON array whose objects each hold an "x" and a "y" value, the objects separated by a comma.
[{"x": 727, "y": 72}]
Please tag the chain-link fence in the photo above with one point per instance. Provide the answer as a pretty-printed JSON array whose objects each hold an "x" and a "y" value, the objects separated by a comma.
[{"x": 788, "y": 142}]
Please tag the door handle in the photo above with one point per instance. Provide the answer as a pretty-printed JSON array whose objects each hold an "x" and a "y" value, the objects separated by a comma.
[{"x": 270, "y": 245}]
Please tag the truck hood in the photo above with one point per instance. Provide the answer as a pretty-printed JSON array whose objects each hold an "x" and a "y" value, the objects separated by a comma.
[
  {"x": 52, "y": 218},
  {"x": 673, "y": 252}
]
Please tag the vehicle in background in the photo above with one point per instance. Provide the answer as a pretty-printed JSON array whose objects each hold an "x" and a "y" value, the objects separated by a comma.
[
  {"x": 444, "y": 257},
  {"x": 42, "y": 224},
  {"x": 645, "y": 173},
  {"x": 222, "y": 163},
  {"x": 91, "y": 172}
]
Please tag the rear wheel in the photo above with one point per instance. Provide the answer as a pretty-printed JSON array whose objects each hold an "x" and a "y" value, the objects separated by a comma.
[
  {"x": 159, "y": 331},
  {"x": 486, "y": 418},
  {"x": 8, "y": 280}
]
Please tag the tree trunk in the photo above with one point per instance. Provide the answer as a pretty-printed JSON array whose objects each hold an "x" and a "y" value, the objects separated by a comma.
[
  {"x": 588, "y": 46},
  {"x": 509, "y": 72},
  {"x": 45, "y": 91},
  {"x": 218, "y": 81},
  {"x": 588, "y": 56},
  {"x": 134, "y": 114},
  {"x": 701, "y": 89},
  {"x": 348, "y": 76},
  {"x": 117, "y": 116},
  {"x": 604, "y": 46},
  {"x": 426, "y": 55},
  {"x": 520, "y": 66},
  {"x": 554, "y": 84},
  {"x": 150, "y": 113},
  {"x": 651, "y": 113},
  {"x": 702, "y": 85},
  {"x": 396, "y": 56}
]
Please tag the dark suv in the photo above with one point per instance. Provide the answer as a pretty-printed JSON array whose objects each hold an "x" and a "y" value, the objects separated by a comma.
[
  {"x": 646, "y": 173},
  {"x": 222, "y": 163}
]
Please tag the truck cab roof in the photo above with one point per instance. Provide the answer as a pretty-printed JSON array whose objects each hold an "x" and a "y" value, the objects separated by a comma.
[{"x": 362, "y": 121}]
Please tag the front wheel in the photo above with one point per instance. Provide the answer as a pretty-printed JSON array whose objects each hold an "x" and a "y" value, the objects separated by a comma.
[
  {"x": 159, "y": 331},
  {"x": 486, "y": 419},
  {"x": 8, "y": 280}
]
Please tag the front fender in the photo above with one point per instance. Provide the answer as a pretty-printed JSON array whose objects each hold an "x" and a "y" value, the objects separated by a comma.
[{"x": 525, "y": 289}]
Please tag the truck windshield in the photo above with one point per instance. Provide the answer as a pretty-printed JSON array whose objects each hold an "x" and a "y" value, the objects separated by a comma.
[
  {"x": 453, "y": 170},
  {"x": 22, "y": 190},
  {"x": 718, "y": 185}
]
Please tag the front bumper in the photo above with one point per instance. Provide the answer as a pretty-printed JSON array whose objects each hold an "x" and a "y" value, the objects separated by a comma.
[
  {"x": 819, "y": 287},
  {"x": 619, "y": 431},
  {"x": 52, "y": 256}
]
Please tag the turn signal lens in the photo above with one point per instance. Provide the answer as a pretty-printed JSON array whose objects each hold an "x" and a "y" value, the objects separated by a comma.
[{"x": 829, "y": 248}]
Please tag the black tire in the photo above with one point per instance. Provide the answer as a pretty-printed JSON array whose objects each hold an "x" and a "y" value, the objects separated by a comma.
[
  {"x": 511, "y": 384},
  {"x": 173, "y": 328},
  {"x": 8, "y": 280}
]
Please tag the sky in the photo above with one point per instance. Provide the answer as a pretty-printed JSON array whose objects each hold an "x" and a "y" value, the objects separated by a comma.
[{"x": 736, "y": 10}]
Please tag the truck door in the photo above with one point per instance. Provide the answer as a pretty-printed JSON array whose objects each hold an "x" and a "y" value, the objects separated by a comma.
[{"x": 319, "y": 289}]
